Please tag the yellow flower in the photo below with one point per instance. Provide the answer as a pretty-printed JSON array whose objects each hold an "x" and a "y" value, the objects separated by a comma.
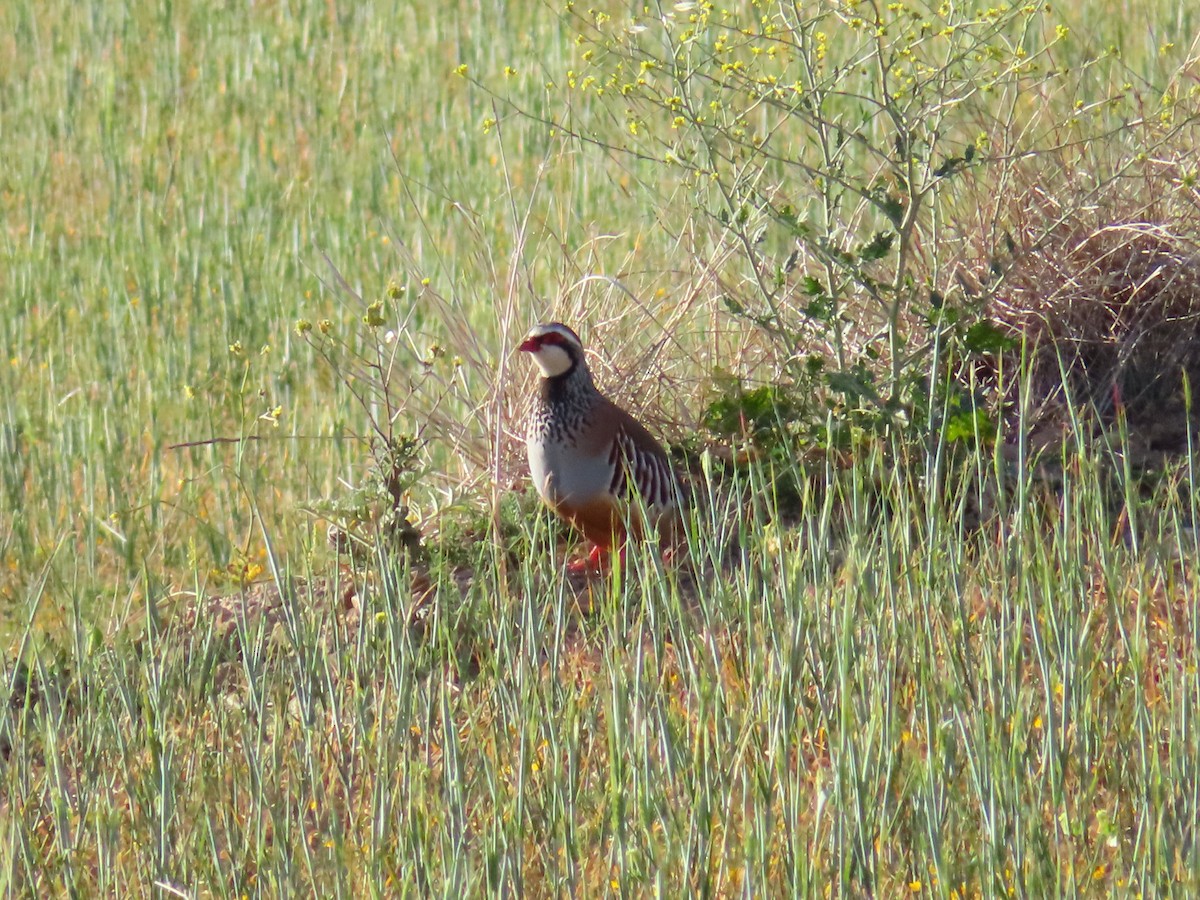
[{"x": 374, "y": 314}]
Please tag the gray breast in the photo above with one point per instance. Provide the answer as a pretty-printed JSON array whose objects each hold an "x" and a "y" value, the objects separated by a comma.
[
  {"x": 562, "y": 471},
  {"x": 563, "y": 476}
]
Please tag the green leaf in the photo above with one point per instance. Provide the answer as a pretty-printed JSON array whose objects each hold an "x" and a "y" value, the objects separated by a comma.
[
  {"x": 797, "y": 226},
  {"x": 821, "y": 309},
  {"x": 879, "y": 246},
  {"x": 968, "y": 425},
  {"x": 986, "y": 337},
  {"x": 893, "y": 208},
  {"x": 853, "y": 383},
  {"x": 948, "y": 167},
  {"x": 763, "y": 411}
]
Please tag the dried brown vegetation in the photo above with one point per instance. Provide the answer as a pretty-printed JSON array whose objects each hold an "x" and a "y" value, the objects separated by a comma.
[{"x": 1106, "y": 296}]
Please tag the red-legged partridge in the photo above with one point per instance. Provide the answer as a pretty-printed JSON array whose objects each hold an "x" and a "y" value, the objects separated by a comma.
[{"x": 591, "y": 462}]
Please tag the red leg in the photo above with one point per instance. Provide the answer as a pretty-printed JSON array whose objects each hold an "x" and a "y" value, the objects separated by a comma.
[
  {"x": 598, "y": 558},
  {"x": 598, "y": 561},
  {"x": 595, "y": 562}
]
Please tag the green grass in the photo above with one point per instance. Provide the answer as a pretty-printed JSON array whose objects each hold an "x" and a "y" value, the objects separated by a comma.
[
  {"x": 866, "y": 704},
  {"x": 875, "y": 699}
]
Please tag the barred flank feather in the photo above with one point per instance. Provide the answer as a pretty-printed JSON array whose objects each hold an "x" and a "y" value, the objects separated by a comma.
[{"x": 652, "y": 479}]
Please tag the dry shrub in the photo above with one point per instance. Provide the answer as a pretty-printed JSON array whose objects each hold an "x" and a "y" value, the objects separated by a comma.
[{"x": 1106, "y": 293}]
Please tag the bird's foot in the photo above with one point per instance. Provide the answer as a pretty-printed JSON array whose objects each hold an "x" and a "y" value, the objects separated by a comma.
[
  {"x": 597, "y": 562},
  {"x": 592, "y": 564},
  {"x": 600, "y": 560}
]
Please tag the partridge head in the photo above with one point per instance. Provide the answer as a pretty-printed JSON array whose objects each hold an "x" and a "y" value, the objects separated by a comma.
[{"x": 591, "y": 461}]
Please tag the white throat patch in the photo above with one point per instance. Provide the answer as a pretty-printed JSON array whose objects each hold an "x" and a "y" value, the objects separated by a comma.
[{"x": 552, "y": 360}]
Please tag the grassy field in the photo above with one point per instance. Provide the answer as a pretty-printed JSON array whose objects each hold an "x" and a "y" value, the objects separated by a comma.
[{"x": 860, "y": 694}]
